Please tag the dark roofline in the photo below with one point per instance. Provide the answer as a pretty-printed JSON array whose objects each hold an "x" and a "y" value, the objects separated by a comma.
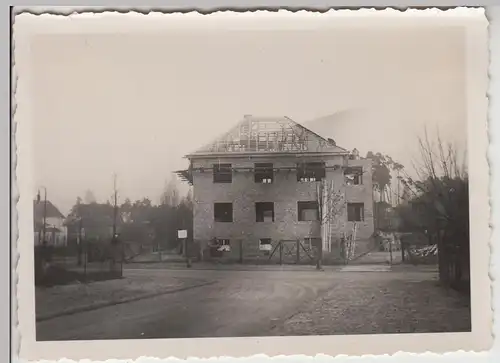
[
  {"x": 311, "y": 131},
  {"x": 52, "y": 210},
  {"x": 264, "y": 154}
]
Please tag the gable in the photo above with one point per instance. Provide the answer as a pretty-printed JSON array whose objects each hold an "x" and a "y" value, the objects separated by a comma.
[
  {"x": 269, "y": 135},
  {"x": 49, "y": 210}
]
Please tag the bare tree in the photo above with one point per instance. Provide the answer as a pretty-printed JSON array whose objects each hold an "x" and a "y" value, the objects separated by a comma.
[
  {"x": 171, "y": 195},
  {"x": 331, "y": 201},
  {"x": 439, "y": 173},
  {"x": 441, "y": 189},
  {"x": 331, "y": 205}
]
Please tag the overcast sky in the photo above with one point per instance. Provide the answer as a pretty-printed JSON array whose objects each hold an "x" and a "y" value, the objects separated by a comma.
[{"x": 135, "y": 104}]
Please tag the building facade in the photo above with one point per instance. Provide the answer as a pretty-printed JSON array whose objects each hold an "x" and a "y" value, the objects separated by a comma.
[
  {"x": 55, "y": 231},
  {"x": 269, "y": 180}
]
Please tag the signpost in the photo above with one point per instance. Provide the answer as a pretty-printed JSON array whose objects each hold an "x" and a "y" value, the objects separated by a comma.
[{"x": 182, "y": 234}]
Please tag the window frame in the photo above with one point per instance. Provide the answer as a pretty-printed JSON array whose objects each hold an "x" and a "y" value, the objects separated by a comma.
[
  {"x": 301, "y": 207},
  {"x": 357, "y": 171},
  {"x": 223, "y": 220},
  {"x": 222, "y": 242},
  {"x": 264, "y": 173},
  {"x": 312, "y": 171},
  {"x": 220, "y": 246},
  {"x": 262, "y": 204},
  {"x": 361, "y": 207},
  {"x": 222, "y": 173}
]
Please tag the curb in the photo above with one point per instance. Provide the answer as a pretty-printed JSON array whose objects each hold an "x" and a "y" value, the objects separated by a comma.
[
  {"x": 104, "y": 304},
  {"x": 260, "y": 268}
]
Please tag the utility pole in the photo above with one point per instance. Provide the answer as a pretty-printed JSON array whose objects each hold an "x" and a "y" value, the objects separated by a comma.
[
  {"x": 115, "y": 217},
  {"x": 115, "y": 204},
  {"x": 399, "y": 195},
  {"x": 185, "y": 246},
  {"x": 80, "y": 241},
  {"x": 41, "y": 227},
  {"x": 44, "y": 214}
]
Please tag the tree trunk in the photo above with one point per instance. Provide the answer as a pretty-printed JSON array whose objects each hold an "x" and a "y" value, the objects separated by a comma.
[
  {"x": 444, "y": 259},
  {"x": 319, "y": 261}
]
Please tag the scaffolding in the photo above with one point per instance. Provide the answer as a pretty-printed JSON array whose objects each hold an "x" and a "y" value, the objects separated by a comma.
[
  {"x": 263, "y": 135},
  {"x": 266, "y": 136},
  {"x": 187, "y": 174}
]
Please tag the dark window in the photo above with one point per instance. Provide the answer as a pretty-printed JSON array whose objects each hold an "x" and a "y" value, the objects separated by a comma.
[
  {"x": 265, "y": 245},
  {"x": 223, "y": 173},
  {"x": 264, "y": 173},
  {"x": 224, "y": 245},
  {"x": 353, "y": 175},
  {"x": 223, "y": 212},
  {"x": 355, "y": 212},
  {"x": 218, "y": 246},
  {"x": 308, "y": 211},
  {"x": 264, "y": 211},
  {"x": 308, "y": 172}
]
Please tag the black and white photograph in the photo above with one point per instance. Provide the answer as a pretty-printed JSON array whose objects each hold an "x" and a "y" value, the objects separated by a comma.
[{"x": 268, "y": 176}]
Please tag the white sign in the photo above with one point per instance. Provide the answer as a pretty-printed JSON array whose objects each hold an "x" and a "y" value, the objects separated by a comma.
[
  {"x": 182, "y": 233},
  {"x": 265, "y": 247}
]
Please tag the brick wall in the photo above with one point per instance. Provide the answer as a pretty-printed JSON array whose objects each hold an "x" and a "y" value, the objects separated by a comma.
[
  {"x": 285, "y": 192},
  {"x": 361, "y": 194}
]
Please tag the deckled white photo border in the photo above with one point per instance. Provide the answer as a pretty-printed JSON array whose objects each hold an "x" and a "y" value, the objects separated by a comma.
[{"x": 475, "y": 24}]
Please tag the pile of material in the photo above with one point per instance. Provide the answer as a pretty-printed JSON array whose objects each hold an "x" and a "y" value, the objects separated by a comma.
[
  {"x": 422, "y": 255},
  {"x": 426, "y": 251}
]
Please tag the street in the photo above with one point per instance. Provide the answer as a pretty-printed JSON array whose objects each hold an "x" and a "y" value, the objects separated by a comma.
[{"x": 260, "y": 303}]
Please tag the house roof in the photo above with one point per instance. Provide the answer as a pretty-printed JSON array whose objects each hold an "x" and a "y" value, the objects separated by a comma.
[
  {"x": 264, "y": 135},
  {"x": 50, "y": 210}
]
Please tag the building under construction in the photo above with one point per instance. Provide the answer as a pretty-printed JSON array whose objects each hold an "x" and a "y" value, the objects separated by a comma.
[{"x": 270, "y": 189}]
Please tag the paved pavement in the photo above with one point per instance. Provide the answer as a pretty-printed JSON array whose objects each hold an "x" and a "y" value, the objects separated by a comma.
[{"x": 240, "y": 303}]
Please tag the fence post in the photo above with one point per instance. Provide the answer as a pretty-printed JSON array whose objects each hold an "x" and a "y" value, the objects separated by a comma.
[
  {"x": 85, "y": 257},
  {"x": 298, "y": 251},
  {"x": 390, "y": 250},
  {"x": 281, "y": 252},
  {"x": 402, "y": 250},
  {"x": 202, "y": 250},
  {"x": 241, "y": 251},
  {"x": 79, "y": 252},
  {"x": 186, "y": 253},
  {"x": 122, "y": 252}
]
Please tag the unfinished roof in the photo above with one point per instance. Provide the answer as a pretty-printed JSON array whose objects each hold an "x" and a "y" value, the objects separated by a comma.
[{"x": 255, "y": 135}]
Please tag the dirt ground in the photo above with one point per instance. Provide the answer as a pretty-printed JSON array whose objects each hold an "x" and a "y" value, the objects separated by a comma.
[
  {"x": 62, "y": 299},
  {"x": 272, "y": 302},
  {"x": 381, "y": 306}
]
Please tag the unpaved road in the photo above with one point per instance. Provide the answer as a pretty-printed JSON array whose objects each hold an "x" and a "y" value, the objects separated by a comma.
[{"x": 240, "y": 303}]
